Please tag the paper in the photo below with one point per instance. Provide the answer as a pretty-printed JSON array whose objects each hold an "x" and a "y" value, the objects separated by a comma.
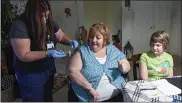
[{"x": 162, "y": 88}]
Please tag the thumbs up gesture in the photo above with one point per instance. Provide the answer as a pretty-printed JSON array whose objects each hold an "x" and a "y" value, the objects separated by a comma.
[{"x": 123, "y": 66}]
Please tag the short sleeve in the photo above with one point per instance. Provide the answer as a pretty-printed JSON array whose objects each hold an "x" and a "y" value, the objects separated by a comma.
[
  {"x": 55, "y": 26},
  {"x": 18, "y": 29},
  {"x": 171, "y": 62},
  {"x": 122, "y": 56},
  {"x": 143, "y": 58}
]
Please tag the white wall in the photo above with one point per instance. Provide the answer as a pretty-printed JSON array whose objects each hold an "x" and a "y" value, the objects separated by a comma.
[
  {"x": 114, "y": 17},
  {"x": 69, "y": 24},
  {"x": 94, "y": 12},
  {"x": 175, "y": 38},
  {"x": 161, "y": 15},
  {"x": 107, "y": 12}
]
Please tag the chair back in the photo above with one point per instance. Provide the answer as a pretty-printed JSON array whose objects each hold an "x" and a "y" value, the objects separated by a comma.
[{"x": 135, "y": 60}]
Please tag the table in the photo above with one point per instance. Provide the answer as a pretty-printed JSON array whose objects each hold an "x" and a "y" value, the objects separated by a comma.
[{"x": 131, "y": 92}]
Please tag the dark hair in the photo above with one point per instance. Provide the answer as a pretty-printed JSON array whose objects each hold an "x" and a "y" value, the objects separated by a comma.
[
  {"x": 100, "y": 27},
  {"x": 116, "y": 38},
  {"x": 36, "y": 26},
  {"x": 161, "y": 37}
]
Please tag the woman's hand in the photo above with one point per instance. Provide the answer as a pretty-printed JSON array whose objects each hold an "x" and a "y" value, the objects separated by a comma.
[
  {"x": 124, "y": 66},
  {"x": 74, "y": 44},
  {"x": 94, "y": 94},
  {"x": 56, "y": 54}
]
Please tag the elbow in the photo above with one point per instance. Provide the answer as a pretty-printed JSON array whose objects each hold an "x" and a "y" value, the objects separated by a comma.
[
  {"x": 143, "y": 77},
  {"x": 69, "y": 74},
  {"x": 23, "y": 58}
]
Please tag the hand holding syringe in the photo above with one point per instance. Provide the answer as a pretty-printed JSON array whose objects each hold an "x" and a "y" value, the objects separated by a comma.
[{"x": 68, "y": 53}]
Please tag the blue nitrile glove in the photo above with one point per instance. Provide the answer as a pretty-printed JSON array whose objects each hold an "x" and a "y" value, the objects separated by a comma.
[
  {"x": 55, "y": 53},
  {"x": 73, "y": 44}
]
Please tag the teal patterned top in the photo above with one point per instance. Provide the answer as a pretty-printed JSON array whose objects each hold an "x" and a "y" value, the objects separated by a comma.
[{"x": 92, "y": 70}]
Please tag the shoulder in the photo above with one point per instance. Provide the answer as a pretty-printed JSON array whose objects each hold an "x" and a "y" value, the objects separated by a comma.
[
  {"x": 55, "y": 26},
  {"x": 146, "y": 55},
  {"x": 18, "y": 29},
  {"x": 114, "y": 51},
  {"x": 112, "y": 47},
  {"x": 167, "y": 55},
  {"x": 18, "y": 24},
  {"x": 84, "y": 48}
]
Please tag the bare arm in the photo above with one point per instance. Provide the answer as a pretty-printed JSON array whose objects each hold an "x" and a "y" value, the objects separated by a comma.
[
  {"x": 170, "y": 72},
  {"x": 125, "y": 65},
  {"x": 62, "y": 37},
  {"x": 143, "y": 71},
  {"x": 21, "y": 48},
  {"x": 74, "y": 72}
]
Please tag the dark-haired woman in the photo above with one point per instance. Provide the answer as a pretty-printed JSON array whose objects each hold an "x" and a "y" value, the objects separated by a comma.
[{"x": 33, "y": 37}]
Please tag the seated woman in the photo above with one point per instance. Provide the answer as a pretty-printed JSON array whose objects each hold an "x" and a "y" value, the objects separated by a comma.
[
  {"x": 96, "y": 70},
  {"x": 116, "y": 42},
  {"x": 156, "y": 63}
]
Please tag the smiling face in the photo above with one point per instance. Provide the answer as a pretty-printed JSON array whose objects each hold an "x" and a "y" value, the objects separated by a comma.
[
  {"x": 96, "y": 42},
  {"x": 98, "y": 37}
]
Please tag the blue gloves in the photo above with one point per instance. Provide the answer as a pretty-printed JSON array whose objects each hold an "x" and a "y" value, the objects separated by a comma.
[
  {"x": 73, "y": 44},
  {"x": 55, "y": 53}
]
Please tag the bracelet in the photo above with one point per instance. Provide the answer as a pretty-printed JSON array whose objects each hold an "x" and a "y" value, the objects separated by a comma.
[{"x": 46, "y": 54}]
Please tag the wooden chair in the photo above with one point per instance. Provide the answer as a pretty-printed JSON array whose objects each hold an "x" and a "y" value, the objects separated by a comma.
[{"x": 135, "y": 65}]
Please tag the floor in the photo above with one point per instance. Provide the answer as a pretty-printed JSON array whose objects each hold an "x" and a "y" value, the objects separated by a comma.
[{"x": 59, "y": 96}]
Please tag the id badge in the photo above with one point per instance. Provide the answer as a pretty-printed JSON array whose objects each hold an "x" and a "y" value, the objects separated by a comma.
[{"x": 50, "y": 45}]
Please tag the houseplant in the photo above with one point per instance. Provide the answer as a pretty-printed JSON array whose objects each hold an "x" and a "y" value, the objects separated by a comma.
[{"x": 8, "y": 14}]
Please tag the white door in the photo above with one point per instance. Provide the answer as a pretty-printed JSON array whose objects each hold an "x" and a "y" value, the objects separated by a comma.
[
  {"x": 68, "y": 24},
  {"x": 147, "y": 17}
]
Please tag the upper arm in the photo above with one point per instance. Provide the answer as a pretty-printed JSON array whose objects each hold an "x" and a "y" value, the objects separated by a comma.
[
  {"x": 20, "y": 47},
  {"x": 170, "y": 71},
  {"x": 58, "y": 31},
  {"x": 19, "y": 37},
  {"x": 75, "y": 63},
  {"x": 143, "y": 68},
  {"x": 171, "y": 63},
  {"x": 124, "y": 62}
]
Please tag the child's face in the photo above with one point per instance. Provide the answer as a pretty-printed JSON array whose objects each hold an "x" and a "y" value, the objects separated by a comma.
[{"x": 157, "y": 48}]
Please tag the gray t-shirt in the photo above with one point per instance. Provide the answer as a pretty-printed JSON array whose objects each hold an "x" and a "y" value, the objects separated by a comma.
[{"x": 19, "y": 29}]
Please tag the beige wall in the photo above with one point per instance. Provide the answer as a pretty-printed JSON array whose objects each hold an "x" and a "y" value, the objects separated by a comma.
[{"x": 107, "y": 12}]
